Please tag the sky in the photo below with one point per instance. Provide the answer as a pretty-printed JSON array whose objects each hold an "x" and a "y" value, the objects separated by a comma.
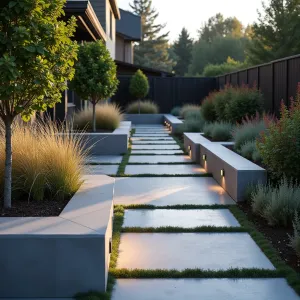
[{"x": 193, "y": 13}]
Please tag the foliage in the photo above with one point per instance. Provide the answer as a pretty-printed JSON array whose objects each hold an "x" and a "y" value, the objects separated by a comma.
[
  {"x": 152, "y": 50},
  {"x": 143, "y": 107},
  {"x": 176, "y": 111},
  {"x": 191, "y": 125},
  {"x": 36, "y": 59},
  {"x": 194, "y": 114},
  {"x": 274, "y": 34},
  {"x": 277, "y": 205},
  {"x": 139, "y": 85},
  {"x": 295, "y": 239},
  {"x": 231, "y": 65},
  {"x": 183, "y": 50},
  {"x": 247, "y": 149},
  {"x": 244, "y": 102},
  {"x": 221, "y": 100},
  {"x": 48, "y": 162},
  {"x": 208, "y": 109},
  {"x": 188, "y": 108},
  {"x": 208, "y": 128},
  {"x": 221, "y": 131},
  {"x": 108, "y": 117},
  {"x": 280, "y": 146}
]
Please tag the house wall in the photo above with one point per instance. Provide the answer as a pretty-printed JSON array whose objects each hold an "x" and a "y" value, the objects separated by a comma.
[{"x": 124, "y": 50}]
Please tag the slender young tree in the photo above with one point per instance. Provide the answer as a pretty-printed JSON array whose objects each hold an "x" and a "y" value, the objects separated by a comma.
[
  {"x": 183, "y": 50},
  {"x": 36, "y": 59},
  {"x": 152, "y": 51},
  {"x": 276, "y": 33},
  {"x": 96, "y": 74}
]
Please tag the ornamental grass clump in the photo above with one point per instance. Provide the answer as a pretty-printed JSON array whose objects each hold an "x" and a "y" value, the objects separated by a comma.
[
  {"x": 295, "y": 238},
  {"x": 218, "y": 131},
  {"x": 108, "y": 117},
  {"x": 142, "y": 107},
  {"x": 279, "y": 147},
  {"x": 48, "y": 163},
  {"x": 176, "y": 111},
  {"x": 187, "y": 108}
]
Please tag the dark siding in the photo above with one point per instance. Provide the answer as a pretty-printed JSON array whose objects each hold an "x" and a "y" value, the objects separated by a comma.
[
  {"x": 253, "y": 77},
  {"x": 266, "y": 86},
  {"x": 99, "y": 7},
  {"x": 243, "y": 78},
  {"x": 293, "y": 77},
  {"x": 280, "y": 84}
]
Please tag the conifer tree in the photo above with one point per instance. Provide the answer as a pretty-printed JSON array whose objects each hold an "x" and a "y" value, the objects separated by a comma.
[{"x": 152, "y": 51}]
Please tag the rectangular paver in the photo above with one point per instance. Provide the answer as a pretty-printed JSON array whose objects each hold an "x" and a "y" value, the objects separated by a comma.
[
  {"x": 179, "y": 218},
  {"x": 150, "y": 134},
  {"x": 107, "y": 159},
  {"x": 208, "y": 251},
  {"x": 162, "y": 191},
  {"x": 157, "y": 152},
  {"x": 154, "y": 159},
  {"x": 204, "y": 289},
  {"x": 171, "y": 142},
  {"x": 155, "y": 147},
  {"x": 104, "y": 169},
  {"x": 151, "y": 138},
  {"x": 184, "y": 169}
]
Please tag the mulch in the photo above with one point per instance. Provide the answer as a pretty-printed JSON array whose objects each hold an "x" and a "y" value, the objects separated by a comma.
[
  {"x": 278, "y": 237},
  {"x": 45, "y": 208}
]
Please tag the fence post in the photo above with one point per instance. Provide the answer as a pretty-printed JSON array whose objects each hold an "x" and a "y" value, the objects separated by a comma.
[{"x": 247, "y": 75}]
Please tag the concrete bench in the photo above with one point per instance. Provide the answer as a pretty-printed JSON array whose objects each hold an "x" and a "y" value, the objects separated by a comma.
[
  {"x": 57, "y": 257},
  {"x": 173, "y": 122}
]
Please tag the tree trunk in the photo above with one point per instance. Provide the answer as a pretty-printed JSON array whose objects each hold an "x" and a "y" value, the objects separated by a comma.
[
  {"x": 94, "y": 117},
  {"x": 8, "y": 164}
]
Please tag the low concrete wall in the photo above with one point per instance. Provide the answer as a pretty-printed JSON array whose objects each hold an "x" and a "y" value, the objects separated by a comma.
[
  {"x": 239, "y": 172},
  {"x": 173, "y": 122},
  {"x": 57, "y": 257},
  {"x": 145, "y": 118}
]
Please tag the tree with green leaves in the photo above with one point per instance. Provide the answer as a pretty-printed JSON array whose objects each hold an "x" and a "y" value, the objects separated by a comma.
[
  {"x": 152, "y": 50},
  {"x": 276, "y": 33},
  {"x": 36, "y": 60},
  {"x": 95, "y": 74},
  {"x": 183, "y": 50},
  {"x": 139, "y": 86}
]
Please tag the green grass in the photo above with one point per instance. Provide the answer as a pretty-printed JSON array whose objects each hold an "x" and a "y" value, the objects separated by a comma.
[{"x": 179, "y": 143}]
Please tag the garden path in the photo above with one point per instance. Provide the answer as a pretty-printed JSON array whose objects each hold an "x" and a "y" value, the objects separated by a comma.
[{"x": 180, "y": 238}]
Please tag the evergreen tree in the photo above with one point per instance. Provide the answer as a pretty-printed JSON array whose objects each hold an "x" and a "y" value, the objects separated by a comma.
[
  {"x": 152, "y": 51},
  {"x": 276, "y": 34},
  {"x": 183, "y": 50}
]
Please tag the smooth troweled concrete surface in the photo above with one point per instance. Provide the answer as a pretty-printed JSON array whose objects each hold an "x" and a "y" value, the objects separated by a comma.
[
  {"x": 154, "y": 142},
  {"x": 157, "y": 152},
  {"x": 57, "y": 257},
  {"x": 150, "y": 134},
  {"x": 184, "y": 169},
  {"x": 162, "y": 191},
  {"x": 155, "y": 147},
  {"x": 107, "y": 159},
  {"x": 151, "y": 138},
  {"x": 203, "y": 289},
  {"x": 209, "y": 251},
  {"x": 154, "y": 159},
  {"x": 187, "y": 218},
  {"x": 104, "y": 169}
]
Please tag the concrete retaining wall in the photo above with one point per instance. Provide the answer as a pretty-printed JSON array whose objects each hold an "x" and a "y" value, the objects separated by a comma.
[{"x": 145, "y": 118}]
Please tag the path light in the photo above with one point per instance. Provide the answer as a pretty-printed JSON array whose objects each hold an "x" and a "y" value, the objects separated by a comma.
[
  {"x": 204, "y": 157},
  {"x": 222, "y": 172},
  {"x": 190, "y": 148}
]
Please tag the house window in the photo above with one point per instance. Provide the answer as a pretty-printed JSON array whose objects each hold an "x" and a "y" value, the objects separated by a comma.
[{"x": 110, "y": 24}]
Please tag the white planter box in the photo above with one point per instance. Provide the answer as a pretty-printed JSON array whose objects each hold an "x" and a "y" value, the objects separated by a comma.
[{"x": 57, "y": 257}]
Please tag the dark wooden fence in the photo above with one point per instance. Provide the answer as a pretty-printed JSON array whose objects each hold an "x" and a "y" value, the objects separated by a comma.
[
  {"x": 168, "y": 92},
  {"x": 277, "y": 80}
]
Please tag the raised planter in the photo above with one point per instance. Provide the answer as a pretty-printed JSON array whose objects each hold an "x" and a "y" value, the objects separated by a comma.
[
  {"x": 172, "y": 122},
  {"x": 232, "y": 171},
  {"x": 145, "y": 118},
  {"x": 57, "y": 257},
  {"x": 114, "y": 143}
]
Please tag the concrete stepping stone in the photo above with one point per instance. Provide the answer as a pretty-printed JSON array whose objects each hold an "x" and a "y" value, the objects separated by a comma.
[
  {"x": 150, "y": 138},
  {"x": 151, "y": 130},
  {"x": 205, "y": 289},
  {"x": 155, "y": 147},
  {"x": 154, "y": 159},
  {"x": 207, "y": 251},
  {"x": 154, "y": 142},
  {"x": 185, "y": 218},
  {"x": 163, "y": 191},
  {"x": 184, "y": 169},
  {"x": 107, "y": 159},
  {"x": 150, "y": 134},
  {"x": 104, "y": 169},
  {"x": 157, "y": 152}
]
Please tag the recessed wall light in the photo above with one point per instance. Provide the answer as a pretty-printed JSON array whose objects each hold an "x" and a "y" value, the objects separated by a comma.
[
  {"x": 222, "y": 172},
  {"x": 204, "y": 156}
]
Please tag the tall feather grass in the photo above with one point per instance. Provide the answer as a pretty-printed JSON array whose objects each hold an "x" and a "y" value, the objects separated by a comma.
[
  {"x": 48, "y": 163},
  {"x": 145, "y": 107},
  {"x": 187, "y": 108},
  {"x": 108, "y": 117}
]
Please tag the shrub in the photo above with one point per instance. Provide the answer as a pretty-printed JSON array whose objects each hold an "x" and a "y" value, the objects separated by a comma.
[
  {"x": 221, "y": 99},
  {"x": 139, "y": 85},
  {"x": 176, "y": 111},
  {"x": 108, "y": 117},
  {"x": 280, "y": 146},
  {"x": 244, "y": 102},
  {"x": 208, "y": 128},
  {"x": 256, "y": 157},
  {"x": 194, "y": 115},
  {"x": 48, "y": 163},
  {"x": 208, "y": 109},
  {"x": 277, "y": 205},
  {"x": 188, "y": 108},
  {"x": 295, "y": 239},
  {"x": 143, "y": 107},
  {"x": 221, "y": 131},
  {"x": 248, "y": 149},
  {"x": 191, "y": 125}
]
